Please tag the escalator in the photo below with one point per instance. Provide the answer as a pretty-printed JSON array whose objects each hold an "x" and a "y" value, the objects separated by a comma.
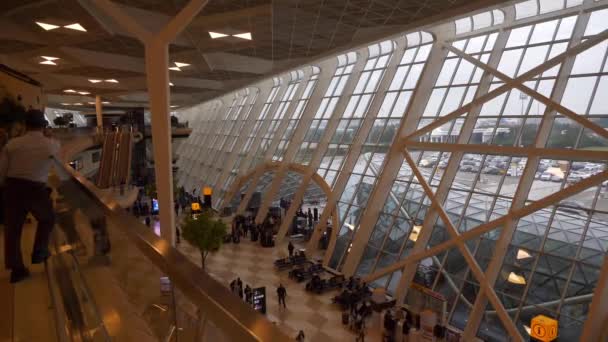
[{"x": 115, "y": 164}]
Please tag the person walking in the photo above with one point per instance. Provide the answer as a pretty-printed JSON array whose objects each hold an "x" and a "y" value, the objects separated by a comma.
[
  {"x": 300, "y": 337},
  {"x": 248, "y": 294},
  {"x": 282, "y": 293},
  {"x": 25, "y": 163},
  {"x": 290, "y": 249}
]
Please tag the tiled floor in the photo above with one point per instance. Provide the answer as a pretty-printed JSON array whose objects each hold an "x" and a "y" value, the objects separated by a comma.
[{"x": 316, "y": 315}]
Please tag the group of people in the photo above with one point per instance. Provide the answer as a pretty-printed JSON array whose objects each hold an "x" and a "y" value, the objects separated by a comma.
[
  {"x": 355, "y": 298},
  {"x": 245, "y": 225},
  {"x": 236, "y": 287}
]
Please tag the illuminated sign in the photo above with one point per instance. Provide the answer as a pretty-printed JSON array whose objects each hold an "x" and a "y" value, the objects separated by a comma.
[
  {"x": 196, "y": 206},
  {"x": 259, "y": 299},
  {"x": 207, "y": 191},
  {"x": 544, "y": 328}
]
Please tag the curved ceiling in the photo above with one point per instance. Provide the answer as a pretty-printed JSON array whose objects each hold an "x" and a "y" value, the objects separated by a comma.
[{"x": 284, "y": 34}]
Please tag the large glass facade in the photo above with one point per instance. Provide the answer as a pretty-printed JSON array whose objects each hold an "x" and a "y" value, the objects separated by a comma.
[{"x": 499, "y": 111}]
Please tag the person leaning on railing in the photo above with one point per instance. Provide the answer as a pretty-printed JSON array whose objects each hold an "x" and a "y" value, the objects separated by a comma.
[{"x": 25, "y": 163}]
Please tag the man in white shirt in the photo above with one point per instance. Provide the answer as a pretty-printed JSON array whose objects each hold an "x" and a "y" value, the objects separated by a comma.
[{"x": 25, "y": 163}]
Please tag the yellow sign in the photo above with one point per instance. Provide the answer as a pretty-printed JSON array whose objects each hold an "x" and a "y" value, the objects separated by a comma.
[
  {"x": 544, "y": 328},
  {"x": 196, "y": 206},
  {"x": 207, "y": 191}
]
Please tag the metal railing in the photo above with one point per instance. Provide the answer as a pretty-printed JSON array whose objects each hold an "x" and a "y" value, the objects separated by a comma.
[{"x": 169, "y": 297}]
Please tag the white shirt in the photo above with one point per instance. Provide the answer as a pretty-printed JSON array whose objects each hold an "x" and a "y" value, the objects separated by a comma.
[{"x": 28, "y": 157}]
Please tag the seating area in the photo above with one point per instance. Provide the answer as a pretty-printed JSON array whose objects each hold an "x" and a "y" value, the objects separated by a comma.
[
  {"x": 306, "y": 271},
  {"x": 319, "y": 285},
  {"x": 289, "y": 262}
]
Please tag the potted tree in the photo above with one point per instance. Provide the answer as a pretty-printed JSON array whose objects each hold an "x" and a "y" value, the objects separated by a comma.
[{"x": 205, "y": 233}]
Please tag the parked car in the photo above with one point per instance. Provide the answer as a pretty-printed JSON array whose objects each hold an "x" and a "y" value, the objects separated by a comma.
[
  {"x": 546, "y": 176},
  {"x": 492, "y": 170}
]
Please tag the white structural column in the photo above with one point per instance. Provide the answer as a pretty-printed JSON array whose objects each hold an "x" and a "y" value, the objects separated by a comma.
[
  {"x": 524, "y": 186},
  {"x": 355, "y": 149},
  {"x": 304, "y": 123},
  {"x": 323, "y": 144},
  {"x": 249, "y": 159},
  {"x": 280, "y": 173},
  {"x": 157, "y": 64},
  {"x": 453, "y": 165},
  {"x": 394, "y": 159},
  {"x": 256, "y": 112},
  {"x": 263, "y": 91},
  {"x": 99, "y": 114}
]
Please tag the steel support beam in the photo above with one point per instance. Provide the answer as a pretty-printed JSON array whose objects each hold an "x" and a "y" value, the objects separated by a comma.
[
  {"x": 323, "y": 143},
  {"x": 355, "y": 150}
]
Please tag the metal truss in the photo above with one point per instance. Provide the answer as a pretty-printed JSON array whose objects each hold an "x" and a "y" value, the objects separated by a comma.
[{"x": 458, "y": 240}]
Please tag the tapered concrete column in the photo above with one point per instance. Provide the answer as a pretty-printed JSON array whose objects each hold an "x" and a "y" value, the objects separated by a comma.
[
  {"x": 99, "y": 114},
  {"x": 393, "y": 160},
  {"x": 221, "y": 186},
  {"x": 325, "y": 140},
  {"x": 525, "y": 185},
  {"x": 247, "y": 163},
  {"x": 157, "y": 73},
  {"x": 356, "y": 147},
  {"x": 273, "y": 189}
]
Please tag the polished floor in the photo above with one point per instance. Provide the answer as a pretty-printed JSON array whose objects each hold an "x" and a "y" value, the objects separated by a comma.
[
  {"x": 25, "y": 308},
  {"x": 314, "y": 314}
]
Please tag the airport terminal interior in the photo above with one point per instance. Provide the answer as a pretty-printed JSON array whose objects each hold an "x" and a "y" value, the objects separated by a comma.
[{"x": 404, "y": 170}]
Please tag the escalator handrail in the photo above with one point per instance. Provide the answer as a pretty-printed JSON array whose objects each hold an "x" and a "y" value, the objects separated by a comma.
[{"x": 228, "y": 312}]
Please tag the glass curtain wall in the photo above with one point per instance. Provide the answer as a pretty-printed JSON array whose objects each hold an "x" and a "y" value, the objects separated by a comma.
[
  {"x": 346, "y": 63},
  {"x": 553, "y": 256},
  {"x": 279, "y": 115},
  {"x": 297, "y": 115},
  {"x": 360, "y": 184}
]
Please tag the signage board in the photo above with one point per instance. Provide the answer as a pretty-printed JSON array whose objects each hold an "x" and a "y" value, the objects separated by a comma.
[
  {"x": 195, "y": 206},
  {"x": 543, "y": 328},
  {"x": 154, "y": 206},
  {"x": 207, "y": 191},
  {"x": 259, "y": 299}
]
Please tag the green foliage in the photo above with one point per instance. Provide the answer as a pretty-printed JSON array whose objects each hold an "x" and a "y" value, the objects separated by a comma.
[{"x": 204, "y": 233}]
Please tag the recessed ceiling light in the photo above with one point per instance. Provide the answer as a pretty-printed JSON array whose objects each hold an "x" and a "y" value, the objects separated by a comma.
[
  {"x": 174, "y": 106},
  {"x": 48, "y": 63},
  {"x": 175, "y": 68},
  {"x": 95, "y": 81},
  {"x": 522, "y": 254},
  {"x": 91, "y": 103},
  {"x": 111, "y": 80},
  {"x": 105, "y": 102},
  {"x": 215, "y": 35},
  {"x": 49, "y": 58},
  {"x": 171, "y": 84},
  {"x": 65, "y": 104},
  {"x": 47, "y": 27},
  {"x": 69, "y": 91},
  {"x": 246, "y": 35},
  {"x": 83, "y": 93},
  {"x": 516, "y": 279},
  {"x": 77, "y": 104},
  {"x": 181, "y": 65},
  {"x": 76, "y": 26}
]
